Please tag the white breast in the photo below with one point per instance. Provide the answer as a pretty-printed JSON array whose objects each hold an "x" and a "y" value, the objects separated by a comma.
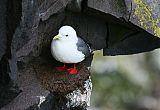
[{"x": 66, "y": 52}]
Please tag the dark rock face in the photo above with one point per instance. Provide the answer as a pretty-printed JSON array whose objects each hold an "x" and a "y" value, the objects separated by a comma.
[
  {"x": 9, "y": 21},
  {"x": 141, "y": 13},
  {"x": 31, "y": 91},
  {"x": 130, "y": 40},
  {"x": 8, "y": 89},
  {"x": 27, "y": 28},
  {"x": 116, "y": 8},
  {"x": 3, "y": 37},
  {"x": 122, "y": 35}
]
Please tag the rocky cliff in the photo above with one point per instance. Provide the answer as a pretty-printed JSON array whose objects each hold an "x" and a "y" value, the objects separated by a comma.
[{"x": 27, "y": 82}]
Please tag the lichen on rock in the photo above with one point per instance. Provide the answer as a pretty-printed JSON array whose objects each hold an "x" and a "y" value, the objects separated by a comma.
[{"x": 147, "y": 18}]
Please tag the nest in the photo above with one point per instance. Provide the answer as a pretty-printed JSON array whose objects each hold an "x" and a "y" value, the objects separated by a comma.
[{"x": 61, "y": 82}]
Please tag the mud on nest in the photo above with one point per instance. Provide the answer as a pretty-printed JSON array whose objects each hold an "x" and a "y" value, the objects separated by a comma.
[{"x": 61, "y": 82}]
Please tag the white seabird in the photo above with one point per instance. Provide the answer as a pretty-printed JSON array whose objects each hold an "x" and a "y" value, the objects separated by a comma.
[{"x": 67, "y": 47}]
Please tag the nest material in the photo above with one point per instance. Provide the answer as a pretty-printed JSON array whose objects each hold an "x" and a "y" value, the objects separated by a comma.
[{"x": 61, "y": 81}]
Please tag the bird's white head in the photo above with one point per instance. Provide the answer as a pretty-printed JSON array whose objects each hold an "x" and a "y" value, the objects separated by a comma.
[{"x": 66, "y": 33}]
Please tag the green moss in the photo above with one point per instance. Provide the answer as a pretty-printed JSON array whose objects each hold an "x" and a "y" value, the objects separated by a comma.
[{"x": 144, "y": 13}]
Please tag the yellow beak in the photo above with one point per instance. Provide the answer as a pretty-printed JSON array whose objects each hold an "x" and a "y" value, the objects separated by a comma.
[{"x": 56, "y": 37}]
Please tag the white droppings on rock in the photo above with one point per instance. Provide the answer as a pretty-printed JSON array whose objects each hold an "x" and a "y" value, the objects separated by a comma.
[
  {"x": 41, "y": 100},
  {"x": 79, "y": 97}
]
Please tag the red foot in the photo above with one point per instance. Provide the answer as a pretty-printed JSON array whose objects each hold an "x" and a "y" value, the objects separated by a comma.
[
  {"x": 63, "y": 68},
  {"x": 72, "y": 71}
]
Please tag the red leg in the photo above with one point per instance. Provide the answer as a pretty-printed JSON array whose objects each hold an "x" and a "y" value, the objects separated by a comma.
[
  {"x": 72, "y": 70},
  {"x": 63, "y": 68}
]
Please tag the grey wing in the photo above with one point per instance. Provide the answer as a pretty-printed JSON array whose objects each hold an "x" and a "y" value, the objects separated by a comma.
[{"x": 83, "y": 47}]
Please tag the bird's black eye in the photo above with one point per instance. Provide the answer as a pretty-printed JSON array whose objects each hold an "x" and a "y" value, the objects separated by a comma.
[{"x": 67, "y": 35}]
